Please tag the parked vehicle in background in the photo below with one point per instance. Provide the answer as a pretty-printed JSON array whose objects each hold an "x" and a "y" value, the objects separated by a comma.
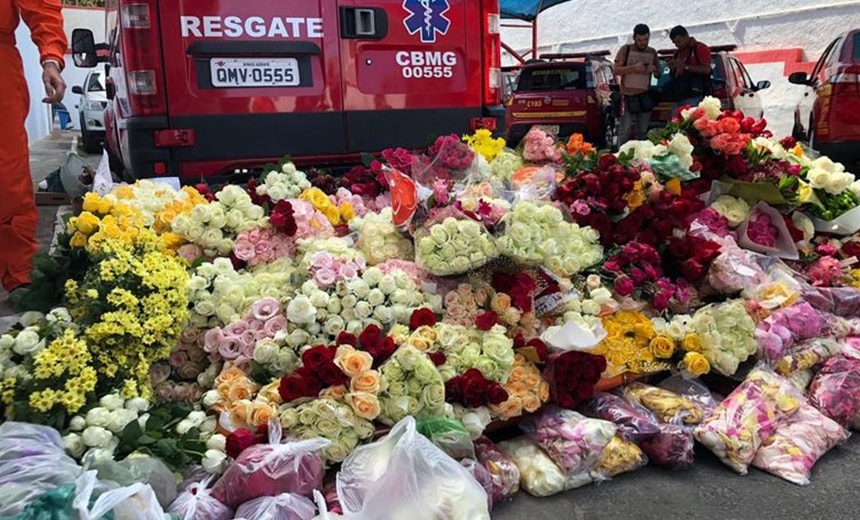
[
  {"x": 732, "y": 84},
  {"x": 828, "y": 115},
  {"x": 199, "y": 89},
  {"x": 570, "y": 93},
  {"x": 91, "y": 106}
]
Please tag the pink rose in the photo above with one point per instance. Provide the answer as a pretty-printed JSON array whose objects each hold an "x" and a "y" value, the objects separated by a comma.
[
  {"x": 196, "y": 353},
  {"x": 255, "y": 235},
  {"x": 263, "y": 248},
  {"x": 624, "y": 286},
  {"x": 230, "y": 347},
  {"x": 180, "y": 391},
  {"x": 255, "y": 325},
  {"x": 244, "y": 250},
  {"x": 323, "y": 260},
  {"x": 178, "y": 358},
  {"x": 190, "y": 252},
  {"x": 158, "y": 374},
  {"x": 274, "y": 325},
  {"x": 189, "y": 370},
  {"x": 165, "y": 391},
  {"x": 347, "y": 271},
  {"x": 325, "y": 277},
  {"x": 247, "y": 341},
  {"x": 265, "y": 308},
  {"x": 212, "y": 339},
  {"x": 236, "y": 328},
  {"x": 189, "y": 335}
]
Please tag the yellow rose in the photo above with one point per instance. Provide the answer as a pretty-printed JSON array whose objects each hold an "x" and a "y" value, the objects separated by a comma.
[
  {"x": 104, "y": 206},
  {"x": 428, "y": 333},
  {"x": 239, "y": 389},
  {"x": 352, "y": 362},
  {"x": 86, "y": 223},
  {"x": 696, "y": 363},
  {"x": 332, "y": 214},
  {"x": 269, "y": 393},
  {"x": 262, "y": 414},
  {"x": 241, "y": 410},
  {"x": 347, "y": 211},
  {"x": 78, "y": 240},
  {"x": 419, "y": 343},
  {"x": 366, "y": 382},
  {"x": 662, "y": 347},
  {"x": 91, "y": 202},
  {"x": 364, "y": 405},
  {"x": 691, "y": 343},
  {"x": 543, "y": 391}
]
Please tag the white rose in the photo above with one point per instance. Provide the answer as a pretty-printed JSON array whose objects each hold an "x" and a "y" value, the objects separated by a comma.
[
  {"x": 30, "y": 318},
  {"x": 818, "y": 177},
  {"x": 372, "y": 276},
  {"x": 214, "y": 461},
  {"x": 363, "y": 310},
  {"x": 217, "y": 442},
  {"x": 376, "y": 297},
  {"x": 349, "y": 301},
  {"x": 387, "y": 284},
  {"x": 137, "y": 404},
  {"x": 855, "y": 188},
  {"x": 298, "y": 338},
  {"x": 196, "y": 417},
  {"x": 300, "y": 310},
  {"x": 675, "y": 331},
  {"x": 6, "y": 342},
  {"x": 28, "y": 342},
  {"x": 112, "y": 402},
  {"x": 77, "y": 423},
  {"x": 289, "y": 168},
  {"x": 713, "y": 107},
  {"x": 319, "y": 299},
  {"x": 360, "y": 289},
  {"x": 382, "y": 314},
  {"x": 195, "y": 232},
  {"x": 235, "y": 218},
  {"x": 209, "y": 425},
  {"x": 590, "y": 307},
  {"x": 212, "y": 237},
  {"x": 278, "y": 192},
  {"x": 119, "y": 419},
  {"x": 211, "y": 398},
  {"x": 838, "y": 183},
  {"x": 98, "y": 416},
  {"x": 265, "y": 351},
  {"x": 96, "y": 437},
  {"x": 802, "y": 222},
  {"x": 74, "y": 445},
  {"x": 184, "y": 426},
  {"x": 334, "y": 325}
]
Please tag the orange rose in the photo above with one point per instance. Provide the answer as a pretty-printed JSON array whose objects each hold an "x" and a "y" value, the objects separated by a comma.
[
  {"x": 351, "y": 361},
  {"x": 517, "y": 388},
  {"x": 270, "y": 394},
  {"x": 532, "y": 380},
  {"x": 241, "y": 389},
  {"x": 334, "y": 392},
  {"x": 543, "y": 391},
  {"x": 241, "y": 411},
  {"x": 229, "y": 375},
  {"x": 262, "y": 414},
  {"x": 513, "y": 407},
  {"x": 367, "y": 382},
  {"x": 517, "y": 374},
  {"x": 531, "y": 402},
  {"x": 501, "y": 302},
  {"x": 364, "y": 405}
]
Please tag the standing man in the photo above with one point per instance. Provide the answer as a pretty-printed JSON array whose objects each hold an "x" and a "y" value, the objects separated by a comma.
[
  {"x": 18, "y": 214},
  {"x": 690, "y": 68},
  {"x": 635, "y": 64}
]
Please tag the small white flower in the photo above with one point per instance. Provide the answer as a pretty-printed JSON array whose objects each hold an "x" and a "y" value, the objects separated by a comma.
[
  {"x": 112, "y": 402},
  {"x": 196, "y": 417},
  {"x": 28, "y": 342},
  {"x": 96, "y": 437},
  {"x": 98, "y": 416},
  {"x": 214, "y": 461},
  {"x": 300, "y": 310},
  {"x": 184, "y": 426},
  {"x": 74, "y": 445},
  {"x": 209, "y": 425},
  {"x": 137, "y": 404},
  {"x": 210, "y": 398},
  {"x": 217, "y": 442},
  {"x": 77, "y": 423}
]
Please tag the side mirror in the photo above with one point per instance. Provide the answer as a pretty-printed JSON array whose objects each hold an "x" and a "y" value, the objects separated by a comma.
[
  {"x": 761, "y": 85},
  {"x": 798, "y": 78},
  {"x": 77, "y": 90},
  {"x": 84, "y": 48}
]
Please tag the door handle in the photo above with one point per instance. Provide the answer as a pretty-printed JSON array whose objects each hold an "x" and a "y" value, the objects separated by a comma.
[{"x": 369, "y": 23}]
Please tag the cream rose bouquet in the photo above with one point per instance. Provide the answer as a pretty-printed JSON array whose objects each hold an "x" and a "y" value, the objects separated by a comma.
[
  {"x": 726, "y": 334},
  {"x": 413, "y": 386},
  {"x": 330, "y": 419},
  {"x": 288, "y": 183},
  {"x": 454, "y": 246},
  {"x": 538, "y": 234},
  {"x": 379, "y": 239},
  {"x": 214, "y": 226},
  {"x": 491, "y": 352}
]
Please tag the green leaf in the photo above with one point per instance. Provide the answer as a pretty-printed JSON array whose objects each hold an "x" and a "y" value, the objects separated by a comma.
[
  {"x": 131, "y": 433},
  {"x": 146, "y": 440},
  {"x": 366, "y": 159},
  {"x": 259, "y": 373}
]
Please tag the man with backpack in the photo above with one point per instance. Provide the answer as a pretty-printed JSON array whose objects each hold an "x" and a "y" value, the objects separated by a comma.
[
  {"x": 690, "y": 68},
  {"x": 635, "y": 63}
]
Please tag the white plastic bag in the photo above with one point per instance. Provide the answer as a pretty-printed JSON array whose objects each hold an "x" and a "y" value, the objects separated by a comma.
[
  {"x": 323, "y": 508},
  {"x": 286, "y": 506},
  {"x": 103, "y": 180},
  {"x": 405, "y": 476},
  {"x": 135, "y": 502},
  {"x": 196, "y": 503},
  {"x": 32, "y": 462}
]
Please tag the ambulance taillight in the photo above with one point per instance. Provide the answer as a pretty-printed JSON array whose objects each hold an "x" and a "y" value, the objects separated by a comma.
[
  {"x": 492, "y": 52},
  {"x": 143, "y": 61}
]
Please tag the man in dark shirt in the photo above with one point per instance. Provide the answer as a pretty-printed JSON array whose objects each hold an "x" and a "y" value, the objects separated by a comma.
[{"x": 690, "y": 68}]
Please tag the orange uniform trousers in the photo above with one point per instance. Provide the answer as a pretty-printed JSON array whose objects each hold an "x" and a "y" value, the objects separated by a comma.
[{"x": 18, "y": 214}]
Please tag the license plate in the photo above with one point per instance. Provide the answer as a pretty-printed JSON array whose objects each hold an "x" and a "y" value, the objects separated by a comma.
[{"x": 254, "y": 72}]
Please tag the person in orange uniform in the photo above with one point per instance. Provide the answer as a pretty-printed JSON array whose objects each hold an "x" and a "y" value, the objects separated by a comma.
[{"x": 18, "y": 214}]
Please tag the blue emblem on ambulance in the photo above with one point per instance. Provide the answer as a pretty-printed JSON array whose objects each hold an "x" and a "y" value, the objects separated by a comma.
[{"x": 427, "y": 17}]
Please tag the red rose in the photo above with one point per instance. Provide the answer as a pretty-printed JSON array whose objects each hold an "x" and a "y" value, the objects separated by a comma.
[
  {"x": 693, "y": 270},
  {"x": 519, "y": 340},
  {"x": 851, "y": 248},
  {"x": 370, "y": 336},
  {"x": 474, "y": 392},
  {"x": 606, "y": 161},
  {"x": 238, "y": 441},
  {"x": 295, "y": 386},
  {"x": 331, "y": 374},
  {"x": 496, "y": 394},
  {"x": 315, "y": 357},
  {"x": 624, "y": 286},
  {"x": 262, "y": 433},
  {"x": 487, "y": 320},
  {"x": 237, "y": 264},
  {"x": 454, "y": 390},
  {"x": 422, "y": 316},
  {"x": 438, "y": 358},
  {"x": 540, "y": 347},
  {"x": 346, "y": 338}
]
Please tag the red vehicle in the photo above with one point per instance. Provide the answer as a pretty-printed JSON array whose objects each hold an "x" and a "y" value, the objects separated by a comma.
[
  {"x": 206, "y": 88},
  {"x": 572, "y": 93},
  {"x": 828, "y": 115}
]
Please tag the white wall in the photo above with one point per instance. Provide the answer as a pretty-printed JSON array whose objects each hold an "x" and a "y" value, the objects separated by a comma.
[
  {"x": 39, "y": 119},
  {"x": 753, "y": 25}
]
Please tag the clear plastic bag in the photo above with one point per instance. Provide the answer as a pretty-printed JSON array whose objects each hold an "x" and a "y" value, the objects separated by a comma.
[
  {"x": 835, "y": 391},
  {"x": 841, "y": 301},
  {"x": 449, "y": 435},
  {"x": 134, "y": 502},
  {"x": 619, "y": 456},
  {"x": 403, "y": 475},
  {"x": 807, "y": 355},
  {"x": 481, "y": 475},
  {"x": 272, "y": 469},
  {"x": 635, "y": 422},
  {"x": 572, "y": 441},
  {"x": 798, "y": 444},
  {"x": 323, "y": 508},
  {"x": 747, "y": 416},
  {"x": 668, "y": 406},
  {"x": 691, "y": 389},
  {"x": 505, "y": 474},
  {"x": 145, "y": 470},
  {"x": 673, "y": 448},
  {"x": 197, "y": 503},
  {"x": 451, "y": 243},
  {"x": 32, "y": 462},
  {"x": 539, "y": 475},
  {"x": 286, "y": 506}
]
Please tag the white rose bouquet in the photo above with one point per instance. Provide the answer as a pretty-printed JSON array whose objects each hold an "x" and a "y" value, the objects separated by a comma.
[
  {"x": 413, "y": 386},
  {"x": 330, "y": 419},
  {"x": 285, "y": 184},
  {"x": 379, "y": 239},
  {"x": 726, "y": 334},
  {"x": 454, "y": 246}
]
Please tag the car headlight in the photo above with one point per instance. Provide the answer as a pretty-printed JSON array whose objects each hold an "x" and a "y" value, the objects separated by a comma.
[{"x": 93, "y": 106}]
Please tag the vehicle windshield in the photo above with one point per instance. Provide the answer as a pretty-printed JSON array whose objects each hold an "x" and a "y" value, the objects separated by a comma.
[
  {"x": 716, "y": 67},
  {"x": 855, "y": 52},
  {"x": 97, "y": 83},
  {"x": 554, "y": 78}
]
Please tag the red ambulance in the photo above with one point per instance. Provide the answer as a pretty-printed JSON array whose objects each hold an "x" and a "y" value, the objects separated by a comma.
[{"x": 203, "y": 88}]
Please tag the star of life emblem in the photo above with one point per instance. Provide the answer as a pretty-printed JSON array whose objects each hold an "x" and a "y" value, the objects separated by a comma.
[{"x": 427, "y": 17}]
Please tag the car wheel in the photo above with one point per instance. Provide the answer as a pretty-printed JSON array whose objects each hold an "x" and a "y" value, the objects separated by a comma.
[
  {"x": 90, "y": 144},
  {"x": 609, "y": 139}
]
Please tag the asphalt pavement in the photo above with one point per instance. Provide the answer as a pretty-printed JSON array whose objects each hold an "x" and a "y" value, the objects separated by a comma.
[{"x": 708, "y": 491}]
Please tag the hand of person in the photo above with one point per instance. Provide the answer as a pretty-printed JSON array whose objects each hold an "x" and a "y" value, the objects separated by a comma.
[{"x": 55, "y": 87}]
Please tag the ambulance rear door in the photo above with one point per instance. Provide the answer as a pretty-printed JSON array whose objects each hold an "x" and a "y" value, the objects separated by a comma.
[
  {"x": 254, "y": 78},
  {"x": 411, "y": 70}
]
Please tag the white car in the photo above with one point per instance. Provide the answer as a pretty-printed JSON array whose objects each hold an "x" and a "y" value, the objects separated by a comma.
[{"x": 91, "y": 109}]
